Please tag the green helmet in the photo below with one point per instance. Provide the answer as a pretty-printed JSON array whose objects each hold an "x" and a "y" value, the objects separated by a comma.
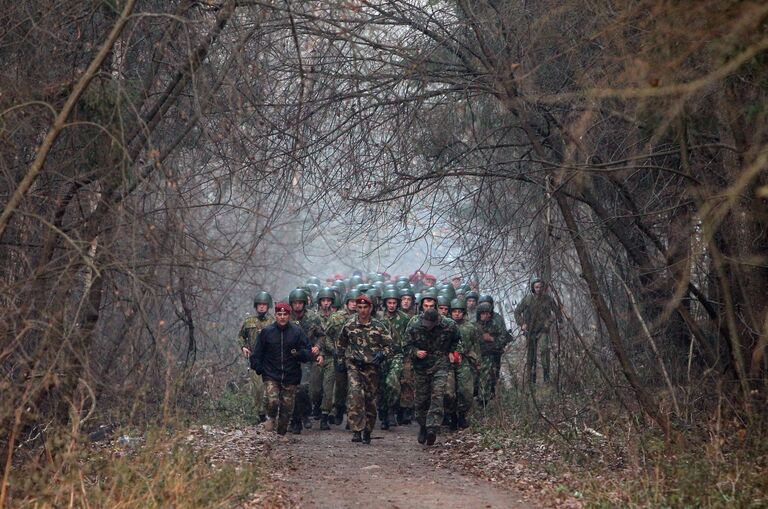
[
  {"x": 362, "y": 287},
  {"x": 379, "y": 285},
  {"x": 389, "y": 286},
  {"x": 314, "y": 280},
  {"x": 351, "y": 295},
  {"x": 485, "y": 307},
  {"x": 337, "y": 303},
  {"x": 429, "y": 293},
  {"x": 443, "y": 300},
  {"x": 355, "y": 280},
  {"x": 326, "y": 293},
  {"x": 402, "y": 284},
  {"x": 471, "y": 295},
  {"x": 391, "y": 293},
  {"x": 448, "y": 291},
  {"x": 417, "y": 297},
  {"x": 403, "y": 278},
  {"x": 262, "y": 298},
  {"x": 298, "y": 295},
  {"x": 374, "y": 292},
  {"x": 459, "y": 304},
  {"x": 407, "y": 291},
  {"x": 312, "y": 290},
  {"x": 465, "y": 288},
  {"x": 485, "y": 298}
]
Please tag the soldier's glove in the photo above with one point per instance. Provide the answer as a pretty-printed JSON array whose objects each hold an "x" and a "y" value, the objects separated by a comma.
[
  {"x": 378, "y": 359},
  {"x": 454, "y": 357}
]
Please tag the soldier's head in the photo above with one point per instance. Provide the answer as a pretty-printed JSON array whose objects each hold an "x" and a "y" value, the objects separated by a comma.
[
  {"x": 456, "y": 281},
  {"x": 391, "y": 299},
  {"x": 427, "y": 304},
  {"x": 282, "y": 313},
  {"x": 484, "y": 312},
  {"x": 364, "y": 307},
  {"x": 443, "y": 305},
  {"x": 430, "y": 280},
  {"x": 326, "y": 297},
  {"x": 458, "y": 310},
  {"x": 262, "y": 302},
  {"x": 471, "y": 299},
  {"x": 298, "y": 299},
  {"x": 537, "y": 286},
  {"x": 429, "y": 318}
]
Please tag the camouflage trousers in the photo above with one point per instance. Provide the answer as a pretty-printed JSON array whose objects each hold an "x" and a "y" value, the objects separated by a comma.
[
  {"x": 257, "y": 392},
  {"x": 460, "y": 388},
  {"x": 536, "y": 339},
  {"x": 280, "y": 401},
  {"x": 394, "y": 388},
  {"x": 303, "y": 406},
  {"x": 329, "y": 380},
  {"x": 340, "y": 390},
  {"x": 430, "y": 396},
  {"x": 407, "y": 385},
  {"x": 316, "y": 384},
  {"x": 490, "y": 369},
  {"x": 361, "y": 397}
]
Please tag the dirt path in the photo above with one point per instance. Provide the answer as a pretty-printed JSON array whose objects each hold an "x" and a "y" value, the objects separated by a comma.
[{"x": 325, "y": 470}]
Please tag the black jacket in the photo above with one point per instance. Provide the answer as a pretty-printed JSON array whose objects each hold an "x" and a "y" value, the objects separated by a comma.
[{"x": 272, "y": 357}]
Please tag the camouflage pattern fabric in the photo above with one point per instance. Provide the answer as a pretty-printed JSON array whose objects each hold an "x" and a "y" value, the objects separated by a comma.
[
  {"x": 335, "y": 322},
  {"x": 389, "y": 379},
  {"x": 358, "y": 344},
  {"x": 247, "y": 337},
  {"x": 461, "y": 382},
  {"x": 280, "y": 401},
  {"x": 431, "y": 373},
  {"x": 311, "y": 372},
  {"x": 536, "y": 340},
  {"x": 538, "y": 312},
  {"x": 361, "y": 400},
  {"x": 490, "y": 362}
]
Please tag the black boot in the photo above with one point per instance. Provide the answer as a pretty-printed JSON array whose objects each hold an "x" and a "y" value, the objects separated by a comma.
[
  {"x": 356, "y": 437},
  {"x": 366, "y": 436},
  {"x": 399, "y": 415},
  {"x": 324, "y": 422},
  {"x": 385, "y": 423},
  {"x": 296, "y": 427},
  {"x": 262, "y": 417},
  {"x": 461, "y": 421},
  {"x": 307, "y": 422},
  {"x": 316, "y": 413},
  {"x": 407, "y": 416},
  {"x": 431, "y": 436},
  {"x": 422, "y": 434}
]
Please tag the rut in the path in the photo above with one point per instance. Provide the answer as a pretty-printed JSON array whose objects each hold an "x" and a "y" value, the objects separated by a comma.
[{"x": 323, "y": 469}]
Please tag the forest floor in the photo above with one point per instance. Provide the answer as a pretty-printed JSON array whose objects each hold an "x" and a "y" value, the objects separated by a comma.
[{"x": 320, "y": 469}]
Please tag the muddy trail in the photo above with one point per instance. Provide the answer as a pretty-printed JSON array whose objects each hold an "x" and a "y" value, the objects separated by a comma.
[{"x": 324, "y": 469}]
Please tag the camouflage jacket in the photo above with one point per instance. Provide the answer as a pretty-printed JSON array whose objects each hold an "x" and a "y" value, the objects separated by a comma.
[
  {"x": 496, "y": 328},
  {"x": 312, "y": 325},
  {"x": 537, "y": 312},
  {"x": 249, "y": 332},
  {"x": 359, "y": 342},
  {"x": 334, "y": 325},
  {"x": 471, "y": 339},
  {"x": 443, "y": 338},
  {"x": 397, "y": 323}
]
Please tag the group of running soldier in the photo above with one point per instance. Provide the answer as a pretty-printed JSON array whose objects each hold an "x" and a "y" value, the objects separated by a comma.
[{"x": 395, "y": 349}]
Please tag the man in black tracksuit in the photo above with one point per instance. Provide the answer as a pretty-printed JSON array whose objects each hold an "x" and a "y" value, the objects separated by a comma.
[{"x": 277, "y": 357}]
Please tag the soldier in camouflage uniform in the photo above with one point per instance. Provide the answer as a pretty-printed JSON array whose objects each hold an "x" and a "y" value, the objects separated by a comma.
[
  {"x": 471, "y": 299},
  {"x": 407, "y": 388},
  {"x": 332, "y": 330},
  {"x": 535, "y": 315},
  {"x": 247, "y": 337},
  {"x": 467, "y": 369},
  {"x": 325, "y": 299},
  {"x": 494, "y": 338},
  {"x": 431, "y": 342},
  {"x": 311, "y": 381},
  {"x": 389, "y": 402},
  {"x": 364, "y": 343}
]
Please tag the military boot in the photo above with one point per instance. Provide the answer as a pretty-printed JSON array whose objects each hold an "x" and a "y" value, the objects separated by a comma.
[
  {"x": 366, "y": 436},
  {"x": 356, "y": 437},
  {"x": 431, "y": 436},
  {"x": 316, "y": 413},
  {"x": 392, "y": 418},
  {"x": 262, "y": 417},
  {"x": 307, "y": 422},
  {"x": 384, "y": 422},
  {"x": 453, "y": 421},
  {"x": 324, "y": 422},
  {"x": 407, "y": 416},
  {"x": 296, "y": 427},
  {"x": 422, "y": 434},
  {"x": 461, "y": 421}
]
